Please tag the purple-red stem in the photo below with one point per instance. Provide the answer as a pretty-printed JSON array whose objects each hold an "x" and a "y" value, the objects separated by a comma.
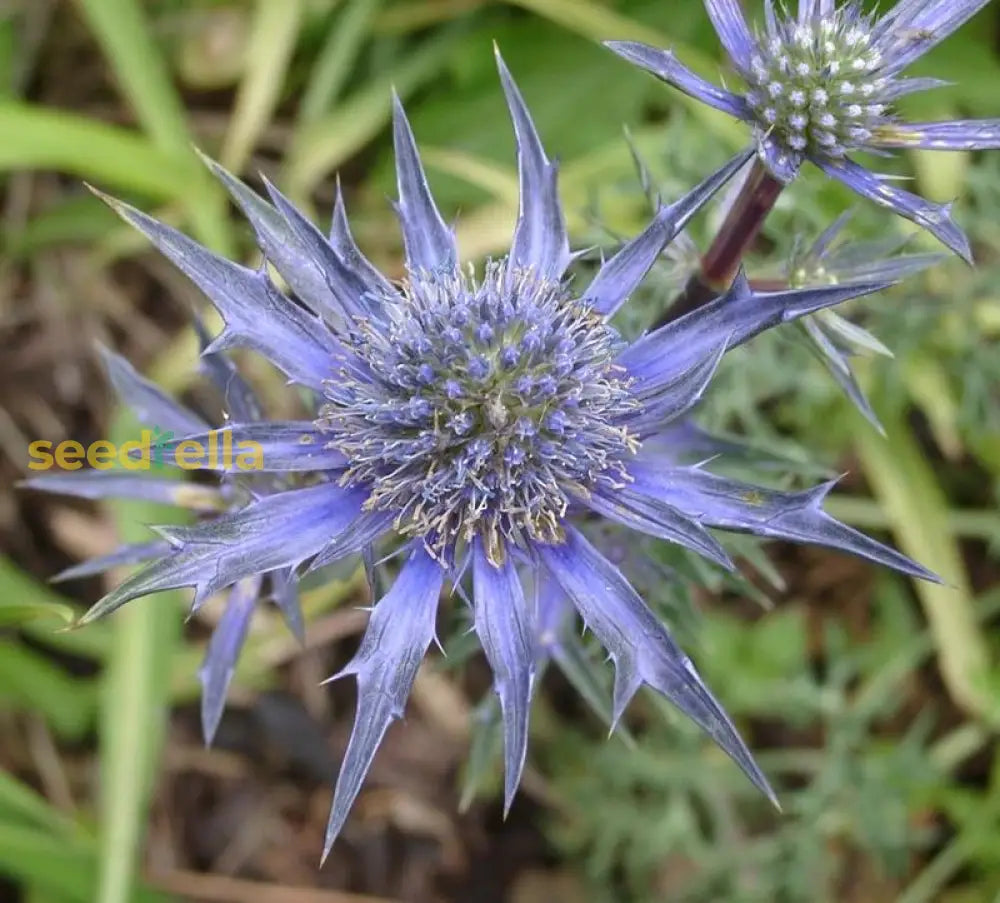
[{"x": 736, "y": 235}]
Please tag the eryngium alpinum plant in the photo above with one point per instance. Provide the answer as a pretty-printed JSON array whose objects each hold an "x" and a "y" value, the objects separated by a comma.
[
  {"x": 466, "y": 422},
  {"x": 822, "y": 83}
]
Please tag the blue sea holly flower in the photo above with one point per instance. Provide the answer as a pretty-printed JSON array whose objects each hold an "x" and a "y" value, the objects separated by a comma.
[
  {"x": 232, "y": 492},
  {"x": 822, "y": 84},
  {"x": 830, "y": 260},
  {"x": 469, "y": 420}
]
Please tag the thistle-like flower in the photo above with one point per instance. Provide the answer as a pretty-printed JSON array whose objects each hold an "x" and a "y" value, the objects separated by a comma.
[
  {"x": 832, "y": 261},
  {"x": 822, "y": 84},
  {"x": 156, "y": 409},
  {"x": 468, "y": 420}
]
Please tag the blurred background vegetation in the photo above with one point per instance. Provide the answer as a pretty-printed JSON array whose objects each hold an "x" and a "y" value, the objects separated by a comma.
[{"x": 872, "y": 702}]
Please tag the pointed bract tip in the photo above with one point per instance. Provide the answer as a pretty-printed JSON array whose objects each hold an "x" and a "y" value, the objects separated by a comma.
[
  {"x": 88, "y": 617},
  {"x": 69, "y": 628},
  {"x": 505, "y": 76},
  {"x": 210, "y": 721},
  {"x": 118, "y": 206},
  {"x": 951, "y": 234},
  {"x": 404, "y": 141},
  {"x": 343, "y": 672},
  {"x": 273, "y": 191},
  {"x": 328, "y": 842},
  {"x": 513, "y": 95},
  {"x": 617, "y": 713},
  {"x": 874, "y": 286},
  {"x": 508, "y": 799},
  {"x": 741, "y": 277},
  {"x": 212, "y": 165},
  {"x": 768, "y": 791},
  {"x": 931, "y": 577},
  {"x": 740, "y": 286},
  {"x": 752, "y": 770}
]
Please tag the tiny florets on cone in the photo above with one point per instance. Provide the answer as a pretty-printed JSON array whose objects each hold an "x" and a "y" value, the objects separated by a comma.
[{"x": 494, "y": 400}]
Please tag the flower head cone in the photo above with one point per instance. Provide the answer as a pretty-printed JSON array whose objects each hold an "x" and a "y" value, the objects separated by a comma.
[
  {"x": 470, "y": 420},
  {"x": 822, "y": 84}
]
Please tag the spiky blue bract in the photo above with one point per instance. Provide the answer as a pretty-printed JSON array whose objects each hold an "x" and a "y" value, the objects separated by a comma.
[
  {"x": 398, "y": 634},
  {"x": 821, "y": 83},
  {"x": 507, "y": 628},
  {"x": 641, "y": 648},
  {"x": 158, "y": 410},
  {"x": 470, "y": 417}
]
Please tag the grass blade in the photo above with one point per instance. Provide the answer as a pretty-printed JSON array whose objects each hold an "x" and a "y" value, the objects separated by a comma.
[
  {"x": 23, "y": 599},
  {"x": 904, "y": 483},
  {"x": 119, "y": 158},
  {"x": 331, "y": 140},
  {"x": 273, "y": 34},
  {"x": 31, "y": 682},
  {"x": 49, "y": 865},
  {"x": 134, "y": 709},
  {"x": 500, "y": 181},
  {"x": 21, "y": 803},
  {"x": 594, "y": 21},
  {"x": 333, "y": 65},
  {"x": 121, "y": 28}
]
